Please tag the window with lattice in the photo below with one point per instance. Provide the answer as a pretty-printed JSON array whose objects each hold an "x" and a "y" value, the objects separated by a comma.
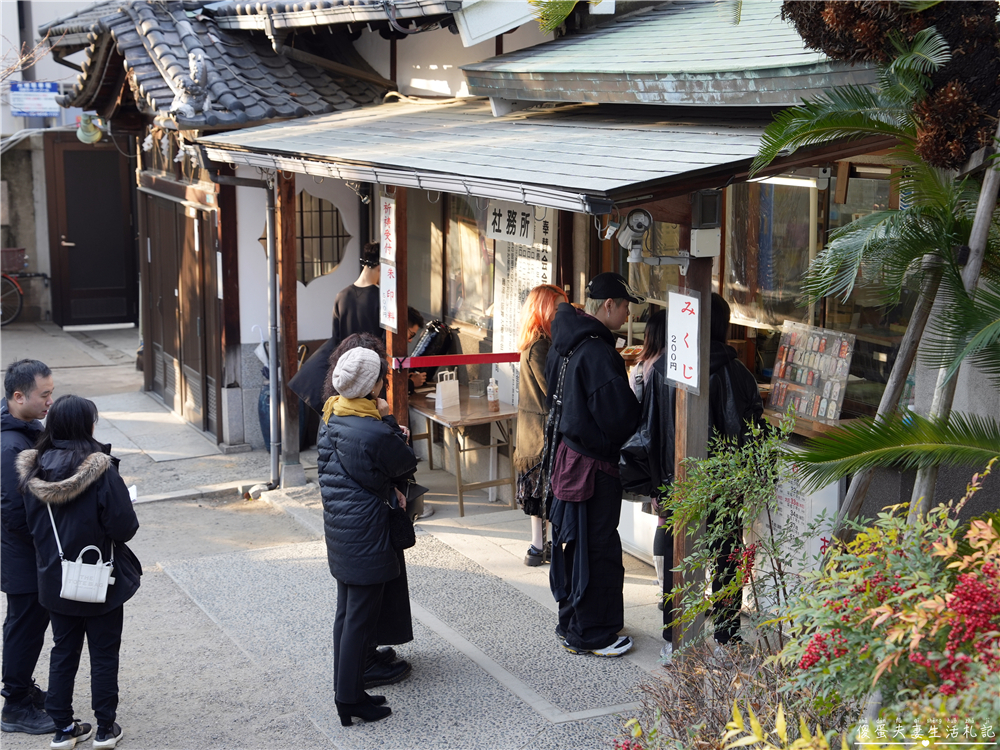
[{"x": 320, "y": 236}]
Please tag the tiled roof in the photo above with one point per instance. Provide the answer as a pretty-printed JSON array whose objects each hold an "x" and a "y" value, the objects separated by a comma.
[
  {"x": 688, "y": 52},
  {"x": 186, "y": 71},
  {"x": 253, "y": 15}
]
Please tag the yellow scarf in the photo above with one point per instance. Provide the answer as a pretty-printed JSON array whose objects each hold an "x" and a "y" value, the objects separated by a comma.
[{"x": 350, "y": 407}]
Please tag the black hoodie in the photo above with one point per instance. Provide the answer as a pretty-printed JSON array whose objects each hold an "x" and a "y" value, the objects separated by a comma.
[
  {"x": 18, "y": 574},
  {"x": 600, "y": 412}
]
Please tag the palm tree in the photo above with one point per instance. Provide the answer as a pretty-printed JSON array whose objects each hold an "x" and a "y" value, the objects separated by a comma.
[{"x": 891, "y": 248}]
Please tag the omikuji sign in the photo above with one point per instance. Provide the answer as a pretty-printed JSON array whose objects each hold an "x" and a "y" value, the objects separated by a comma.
[
  {"x": 511, "y": 222},
  {"x": 682, "y": 352}
]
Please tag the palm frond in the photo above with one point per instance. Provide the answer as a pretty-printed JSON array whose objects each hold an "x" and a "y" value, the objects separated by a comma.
[
  {"x": 926, "y": 53},
  {"x": 551, "y": 13},
  {"x": 844, "y": 112},
  {"x": 966, "y": 329},
  {"x": 902, "y": 441}
]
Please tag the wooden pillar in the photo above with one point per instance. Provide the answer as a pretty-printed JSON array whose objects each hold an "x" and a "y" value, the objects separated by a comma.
[
  {"x": 691, "y": 436},
  {"x": 292, "y": 474},
  {"x": 395, "y": 343}
]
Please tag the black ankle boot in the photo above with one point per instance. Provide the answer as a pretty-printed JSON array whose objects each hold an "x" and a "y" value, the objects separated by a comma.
[
  {"x": 378, "y": 700},
  {"x": 366, "y": 711}
]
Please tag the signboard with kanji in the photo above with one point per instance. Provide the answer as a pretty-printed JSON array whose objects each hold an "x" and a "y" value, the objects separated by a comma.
[
  {"x": 387, "y": 229},
  {"x": 518, "y": 269},
  {"x": 34, "y": 99},
  {"x": 683, "y": 352},
  {"x": 511, "y": 222},
  {"x": 387, "y": 297}
]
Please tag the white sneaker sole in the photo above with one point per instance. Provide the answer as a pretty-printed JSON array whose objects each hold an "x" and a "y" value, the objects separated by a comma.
[
  {"x": 604, "y": 653},
  {"x": 72, "y": 741},
  {"x": 110, "y": 742}
]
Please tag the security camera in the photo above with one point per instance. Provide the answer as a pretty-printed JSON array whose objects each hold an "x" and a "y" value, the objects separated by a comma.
[{"x": 630, "y": 235}]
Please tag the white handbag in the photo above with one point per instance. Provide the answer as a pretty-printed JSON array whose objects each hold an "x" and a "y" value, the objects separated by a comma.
[
  {"x": 84, "y": 582},
  {"x": 447, "y": 390}
]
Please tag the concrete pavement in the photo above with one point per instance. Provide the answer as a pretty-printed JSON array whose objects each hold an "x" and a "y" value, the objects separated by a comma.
[{"x": 228, "y": 644}]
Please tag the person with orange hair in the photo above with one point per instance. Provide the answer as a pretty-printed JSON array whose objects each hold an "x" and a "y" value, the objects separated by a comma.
[{"x": 533, "y": 342}]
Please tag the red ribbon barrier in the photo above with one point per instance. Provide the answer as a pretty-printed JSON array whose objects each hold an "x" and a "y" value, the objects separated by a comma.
[{"x": 447, "y": 360}]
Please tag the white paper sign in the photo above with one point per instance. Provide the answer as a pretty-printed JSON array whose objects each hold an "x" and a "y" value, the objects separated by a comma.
[
  {"x": 387, "y": 296},
  {"x": 511, "y": 222},
  {"x": 517, "y": 270},
  {"x": 387, "y": 232},
  {"x": 683, "y": 312}
]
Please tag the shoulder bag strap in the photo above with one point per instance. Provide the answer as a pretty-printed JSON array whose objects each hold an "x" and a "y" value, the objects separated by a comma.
[
  {"x": 58, "y": 543},
  {"x": 111, "y": 559},
  {"x": 552, "y": 423}
]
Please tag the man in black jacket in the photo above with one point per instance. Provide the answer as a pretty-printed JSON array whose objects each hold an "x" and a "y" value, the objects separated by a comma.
[
  {"x": 599, "y": 413},
  {"x": 28, "y": 390}
]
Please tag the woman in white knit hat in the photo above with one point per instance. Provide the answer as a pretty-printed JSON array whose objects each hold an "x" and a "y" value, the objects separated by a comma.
[{"x": 361, "y": 456}]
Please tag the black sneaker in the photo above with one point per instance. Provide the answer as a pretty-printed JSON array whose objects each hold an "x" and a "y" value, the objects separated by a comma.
[
  {"x": 26, "y": 718},
  {"x": 386, "y": 674},
  {"x": 385, "y": 654},
  {"x": 108, "y": 736},
  {"x": 65, "y": 740},
  {"x": 38, "y": 697}
]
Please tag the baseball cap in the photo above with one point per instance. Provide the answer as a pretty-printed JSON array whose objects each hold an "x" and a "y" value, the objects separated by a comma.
[{"x": 612, "y": 285}]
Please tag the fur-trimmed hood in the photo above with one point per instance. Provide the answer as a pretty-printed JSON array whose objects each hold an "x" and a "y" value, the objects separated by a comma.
[{"x": 91, "y": 469}]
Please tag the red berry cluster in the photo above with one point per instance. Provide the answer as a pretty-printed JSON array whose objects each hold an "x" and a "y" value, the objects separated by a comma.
[
  {"x": 628, "y": 745},
  {"x": 827, "y": 646}
]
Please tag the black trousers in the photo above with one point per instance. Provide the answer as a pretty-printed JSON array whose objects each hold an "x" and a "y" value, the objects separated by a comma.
[
  {"x": 663, "y": 546},
  {"x": 104, "y": 640},
  {"x": 395, "y": 624},
  {"x": 599, "y": 613},
  {"x": 726, "y": 612},
  {"x": 23, "y": 637},
  {"x": 353, "y": 631}
]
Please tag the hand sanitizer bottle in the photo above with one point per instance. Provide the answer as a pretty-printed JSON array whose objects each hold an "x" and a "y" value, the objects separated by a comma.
[{"x": 493, "y": 396}]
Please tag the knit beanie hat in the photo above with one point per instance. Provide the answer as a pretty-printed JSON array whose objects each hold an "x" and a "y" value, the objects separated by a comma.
[{"x": 356, "y": 372}]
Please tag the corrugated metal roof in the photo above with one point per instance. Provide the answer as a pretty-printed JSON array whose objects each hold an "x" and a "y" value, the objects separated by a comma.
[
  {"x": 576, "y": 158},
  {"x": 292, "y": 15},
  {"x": 688, "y": 52}
]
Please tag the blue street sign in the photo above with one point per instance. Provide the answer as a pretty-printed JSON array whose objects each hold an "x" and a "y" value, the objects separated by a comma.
[{"x": 34, "y": 99}]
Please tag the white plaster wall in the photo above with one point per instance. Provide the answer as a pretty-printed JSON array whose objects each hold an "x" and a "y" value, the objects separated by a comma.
[
  {"x": 315, "y": 300},
  {"x": 428, "y": 64}
]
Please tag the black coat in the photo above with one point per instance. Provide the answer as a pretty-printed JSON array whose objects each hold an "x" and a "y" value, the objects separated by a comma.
[
  {"x": 18, "y": 574},
  {"x": 733, "y": 404},
  {"x": 361, "y": 460},
  {"x": 600, "y": 412},
  {"x": 90, "y": 505}
]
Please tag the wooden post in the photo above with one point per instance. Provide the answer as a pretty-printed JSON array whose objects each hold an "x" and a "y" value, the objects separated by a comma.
[
  {"x": 395, "y": 343},
  {"x": 691, "y": 435},
  {"x": 292, "y": 474}
]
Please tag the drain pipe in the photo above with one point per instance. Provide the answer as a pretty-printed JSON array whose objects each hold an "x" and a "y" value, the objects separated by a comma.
[{"x": 272, "y": 314}]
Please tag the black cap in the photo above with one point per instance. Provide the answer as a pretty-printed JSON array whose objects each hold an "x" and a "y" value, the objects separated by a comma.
[{"x": 612, "y": 285}]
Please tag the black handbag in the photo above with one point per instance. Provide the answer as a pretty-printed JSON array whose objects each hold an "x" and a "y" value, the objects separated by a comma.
[{"x": 401, "y": 533}]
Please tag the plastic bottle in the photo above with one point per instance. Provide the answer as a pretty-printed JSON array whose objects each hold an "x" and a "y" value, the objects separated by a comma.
[{"x": 493, "y": 396}]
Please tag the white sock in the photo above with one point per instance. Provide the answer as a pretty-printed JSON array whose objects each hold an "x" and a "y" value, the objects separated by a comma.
[{"x": 536, "y": 532}]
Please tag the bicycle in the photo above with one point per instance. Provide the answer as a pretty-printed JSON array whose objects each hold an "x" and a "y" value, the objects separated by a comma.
[{"x": 11, "y": 293}]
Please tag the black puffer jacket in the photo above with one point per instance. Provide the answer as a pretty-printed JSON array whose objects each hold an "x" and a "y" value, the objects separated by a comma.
[
  {"x": 90, "y": 505},
  {"x": 361, "y": 459},
  {"x": 599, "y": 412},
  {"x": 18, "y": 574}
]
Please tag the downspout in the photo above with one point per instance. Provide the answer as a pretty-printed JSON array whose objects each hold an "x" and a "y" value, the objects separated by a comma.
[{"x": 272, "y": 314}]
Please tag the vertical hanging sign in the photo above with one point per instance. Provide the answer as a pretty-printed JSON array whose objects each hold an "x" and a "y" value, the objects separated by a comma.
[
  {"x": 521, "y": 263},
  {"x": 683, "y": 350},
  {"x": 387, "y": 255}
]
